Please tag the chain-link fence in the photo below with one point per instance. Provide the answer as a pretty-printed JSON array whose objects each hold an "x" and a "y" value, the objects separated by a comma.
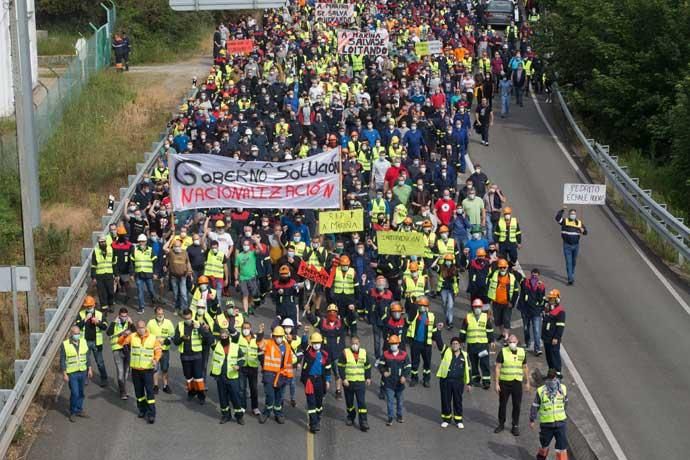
[{"x": 92, "y": 55}]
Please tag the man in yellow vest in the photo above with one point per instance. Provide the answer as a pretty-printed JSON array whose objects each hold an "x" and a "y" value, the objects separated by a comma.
[
  {"x": 164, "y": 331},
  {"x": 216, "y": 270},
  {"x": 550, "y": 405},
  {"x": 228, "y": 358},
  {"x": 144, "y": 259},
  {"x": 121, "y": 355},
  {"x": 345, "y": 290},
  {"x": 453, "y": 375},
  {"x": 190, "y": 338},
  {"x": 511, "y": 373},
  {"x": 477, "y": 331},
  {"x": 74, "y": 363},
  {"x": 354, "y": 368},
  {"x": 92, "y": 324},
  {"x": 508, "y": 235},
  {"x": 252, "y": 347},
  {"x": 421, "y": 332},
  {"x": 145, "y": 352},
  {"x": 414, "y": 286},
  {"x": 102, "y": 263}
]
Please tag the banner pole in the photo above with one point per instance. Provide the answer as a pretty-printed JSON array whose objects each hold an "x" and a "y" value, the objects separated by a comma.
[{"x": 340, "y": 156}]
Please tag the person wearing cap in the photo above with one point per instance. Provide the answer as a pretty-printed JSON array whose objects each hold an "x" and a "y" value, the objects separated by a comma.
[
  {"x": 421, "y": 332},
  {"x": 511, "y": 374},
  {"x": 531, "y": 306},
  {"x": 478, "y": 331},
  {"x": 316, "y": 378},
  {"x": 503, "y": 292},
  {"x": 93, "y": 324},
  {"x": 508, "y": 235},
  {"x": 190, "y": 338},
  {"x": 277, "y": 367},
  {"x": 102, "y": 265},
  {"x": 394, "y": 366},
  {"x": 549, "y": 406},
  {"x": 144, "y": 259},
  {"x": 453, "y": 376},
  {"x": 228, "y": 358},
  {"x": 216, "y": 269},
  {"x": 220, "y": 234}
]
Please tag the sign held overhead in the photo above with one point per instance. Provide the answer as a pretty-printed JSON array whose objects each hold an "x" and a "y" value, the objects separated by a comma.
[
  {"x": 210, "y": 5},
  {"x": 584, "y": 194}
]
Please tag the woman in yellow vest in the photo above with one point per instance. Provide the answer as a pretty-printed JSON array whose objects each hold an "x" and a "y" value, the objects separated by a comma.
[{"x": 74, "y": 363}]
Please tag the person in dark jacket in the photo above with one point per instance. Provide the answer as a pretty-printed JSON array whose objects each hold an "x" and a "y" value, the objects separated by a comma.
[
  {"x": 531, "y": 306},
  {"x": 552, "y": 330},
  {"x": 190, "y": 338},
  {"x": 316, "y": 378},
  {"x": 378, "y": 303},
  {"x": 395, "y": 370}
]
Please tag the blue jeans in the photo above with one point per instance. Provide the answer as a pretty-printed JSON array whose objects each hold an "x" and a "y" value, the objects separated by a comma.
[
  {"x": 218, "y": 286},
  {"x": 144, "y": 283},
  {"x": 532, "y": 328},
  {"x": 447, "y": 302},
  {"x": 505, "y": 104},
  {"x": 76, "y": 391},
  {"x": 518, "y": 95},
  {"x": 98, "y": 357},
  {"x": 179, "y": 289},
  {"x": 378, "y": 341},
  {"x": 394, "y": 402},
  {"x": 489, "y": 229},
  {"x": 274, "y": 399},
  {"x": 570, "y": 253}
]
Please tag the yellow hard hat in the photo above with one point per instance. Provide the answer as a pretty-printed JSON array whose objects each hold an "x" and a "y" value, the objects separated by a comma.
[
  {"x": 315, "y": 338},
  {"x": 278, "y": 331}
]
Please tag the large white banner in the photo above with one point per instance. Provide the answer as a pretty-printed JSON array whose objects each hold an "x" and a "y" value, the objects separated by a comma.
[
  {"x": 584, "y": 194},
  {"x": 212, "y": 181},
  {"x": 367, "y": 43},
  {"x": 335, "y": 12}
]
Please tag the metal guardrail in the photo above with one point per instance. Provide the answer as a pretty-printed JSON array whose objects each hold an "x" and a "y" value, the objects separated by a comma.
[
  {"x": 44, "y": 346},
  {"x": 656, "y": 215}
]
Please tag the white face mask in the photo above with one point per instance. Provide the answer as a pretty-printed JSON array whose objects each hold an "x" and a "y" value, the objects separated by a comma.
[
  {"x": 203, "y": 287},
  {"x": 317, "y": 346},
  {"x": 245, "y": 248},
  {"x": 288, "y": 330},
  {"x": 508, "y": 216},
  {"x": 394, "y": 348},
  {"x": 572, "y": 216},
  {"x": 477, "y": 311},
  {"x": 201, "y": 311},
  {"x": 246, "y": 332},
  {"x": 512, "y": 346},
  {"x": 354, "y": 347},
  {"x": 279, "y": 340},
  {"x": 197, "y": 242},
  {"x": 503, "y": 271}
]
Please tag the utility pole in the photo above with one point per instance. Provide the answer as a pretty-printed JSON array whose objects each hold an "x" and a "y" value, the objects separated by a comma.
[{"x": 26, "y": 146}]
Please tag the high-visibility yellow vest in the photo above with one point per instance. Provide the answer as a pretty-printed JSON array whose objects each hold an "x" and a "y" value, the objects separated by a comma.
[
  {"x": 299, "y": 248},
  {"x": 295, "y": 344},
  {"x": 142, "y": 352},
  {"x": 344, "y": 283},
  {"x": 161, "y": 331},
  {"x": 429, "y": 327},
  {"x": 476, "y": 328},
  {"x": 117, "y": 330},
  {"x": 446, "y": 247},
  {"x": 75, "y": 357},
  {"x": 509, "y": 232},
  {"x": 493, "y": 285},
  {"x": 357, "y": 62},
  {"x": 104, "y": 262},
  {"x": 511, "y": 367},
  {"x": 444, "y": 366},
  {"x": 99, "y": 317},
  {"x": 143, "y": 260},
  {"x": 415, "y": 288},
  {"x": 196, "y": 295},
  {"x": 552, "y": 410},
  {"x": 160, "y": 175},
  {"x": 430, "y": 241},
  {"x": 313, "y": 258},
  {"x": 250, "y": 348},
  {"x": 196, "y": 338},
  {"x": 364, "y": 160},
  {"x": 224, "y": 323},
  {"x": 219, "y": 357},
  {"x": 354, "y": 369},
  {"x": 527, "y": 67},
  {"x": 214, "y": 265},
  {"x": 378, "y": 206}
]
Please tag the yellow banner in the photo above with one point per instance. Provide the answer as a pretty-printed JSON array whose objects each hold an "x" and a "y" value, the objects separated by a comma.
[
  {"x": 401, "y": 243},
  {"x": 341, "y": 221}
]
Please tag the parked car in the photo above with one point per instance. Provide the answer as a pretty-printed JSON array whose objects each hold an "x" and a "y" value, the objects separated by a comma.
[{"x": 500, "y": 12}]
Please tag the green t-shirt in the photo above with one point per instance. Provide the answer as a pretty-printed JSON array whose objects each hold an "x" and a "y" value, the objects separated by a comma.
[
  {"x": 246, "y": 263},
  {"x": 402, "y": 193},
  {"x": 473, "y": 210}
]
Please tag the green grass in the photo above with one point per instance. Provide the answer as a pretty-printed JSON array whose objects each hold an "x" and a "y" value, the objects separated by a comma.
[{"x": 58, "y": 43}]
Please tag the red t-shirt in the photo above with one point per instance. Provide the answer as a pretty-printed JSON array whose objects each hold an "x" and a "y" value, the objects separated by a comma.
[{"x": 445, "y": 210}]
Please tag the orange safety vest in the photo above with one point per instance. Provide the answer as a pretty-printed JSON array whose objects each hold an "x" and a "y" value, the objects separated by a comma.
[{"x": 272, "y": 362}]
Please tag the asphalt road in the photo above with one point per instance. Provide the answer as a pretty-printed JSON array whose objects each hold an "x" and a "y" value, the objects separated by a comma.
[{"x": 625, "y": 332}]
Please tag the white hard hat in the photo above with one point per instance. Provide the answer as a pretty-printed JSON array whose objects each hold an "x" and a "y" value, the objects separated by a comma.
[
  {"x": 248, "y": 132},
  {"x": 142, "y": 238},
  {"x": 288, "y": 322}
]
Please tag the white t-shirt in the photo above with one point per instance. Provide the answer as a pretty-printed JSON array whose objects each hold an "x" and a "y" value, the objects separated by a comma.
[{"x": 224, "y": 241}]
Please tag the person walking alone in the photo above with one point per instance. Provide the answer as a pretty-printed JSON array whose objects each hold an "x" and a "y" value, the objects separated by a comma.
[{"x": 571, "y": 231}]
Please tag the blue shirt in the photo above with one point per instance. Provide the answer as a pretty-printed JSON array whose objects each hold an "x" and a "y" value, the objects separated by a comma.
[
  {"x": 316, "y": 368},
  {"x": 420, "y": 333}
]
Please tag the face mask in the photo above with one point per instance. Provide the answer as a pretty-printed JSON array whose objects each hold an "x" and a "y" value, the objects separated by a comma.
[
  {"x": 344, "y": 269},
  {"x": 315, "y": 245},
  {"x": 339, "y": 250},
  {"x": 90, "y": 310},
  {"x": 220, "y": 231},
  {"x": 476, "y": 236},
  {"x": 446, "y": 197},
  {"x": 76, "y": 337},
  {"x": 188, "y": 322},
  {"x": 288, "y": 330},
  {"x": 552, "y": 385},
  {"x": 159, "y": 318},
  {"x": 477, "y": 311},
  {"x": 177, "y": 249},
  {"x": 279, "y": 340},
  {"x": 316, "y": 346},
  {"x": 572, "y": 216},
  {"x": 332, "y": 316},
  {"x": 360, "y": 251},
  {"x": 201, "y": 311},
  {"x": 448, "y": 263},
  {"x": 246, "y": 332},
  {"x": 394, "y": 348},
  {"x": 291, "y": 254},
  {"x": 503, "y": 271},
  {"x": 248, "y": 234},
  {"x": 422, "y": 309},
  {"x": 471, "y": 196},
  {"x": 245, "y": 248},
  {"x": 297, "y": 239},
  {"x": 203, "y": 287},
  {"x": 215, "y": 250},
  {"x": 354, "y": 347},
  {"x": 397, "y": 315},
  {"x": 507, "y": 216},
  {"x": 197, "y": 242},
  {"x": 401, "y": 182},
  {"x": 512, "y": 346}
]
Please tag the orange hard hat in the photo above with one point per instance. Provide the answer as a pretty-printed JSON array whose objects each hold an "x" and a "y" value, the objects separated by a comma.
[
  {"x": 121, "y": 230},
  {"x": 202, "y": 280},
  {"x": 443, "y": 229},
  {"x": 284, "y": 270},
  {"x": 502, "y": 263},
  {"x": 477, "y": 303},
  {"x": 344, "y": 260},
  {"x": 396, "y": 307},
  {"x": 393, "y": 339},
  {"x": 554, "y": 294},
  {"x": 481, "y": 252},
  {"x": 507, "y": 210},
  {"x": 414, "y": 266},
  {"x": 332, "y": 307},
  {"x": 407, "y": 221},
  {"x": 89, "y": 301},
  {"x": 449, "y": 257},
  {"x": 427, "y": 224},
  {"x": 423, "y": 300}
]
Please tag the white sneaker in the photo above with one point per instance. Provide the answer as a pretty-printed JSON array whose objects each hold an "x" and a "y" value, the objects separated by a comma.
[
  {"x": 460, "y": 425},
  {"x": 444, "y": 424}
]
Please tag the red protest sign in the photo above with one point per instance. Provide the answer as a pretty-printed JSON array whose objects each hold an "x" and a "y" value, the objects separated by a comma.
[
  {"x": 317, "y": 275},
  {"x": 240, "y": 46}
]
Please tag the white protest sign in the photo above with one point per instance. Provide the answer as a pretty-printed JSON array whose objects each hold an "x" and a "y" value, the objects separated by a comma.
[
  {"x": 584, "y": 194},
  {"x": 366, "y": 43},
  {"x": 212, "y": 181},
  {"x": 334, "y": 12}
]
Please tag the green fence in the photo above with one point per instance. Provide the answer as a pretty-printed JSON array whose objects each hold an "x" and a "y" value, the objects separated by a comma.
[{"x": 92, "y": 55}]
